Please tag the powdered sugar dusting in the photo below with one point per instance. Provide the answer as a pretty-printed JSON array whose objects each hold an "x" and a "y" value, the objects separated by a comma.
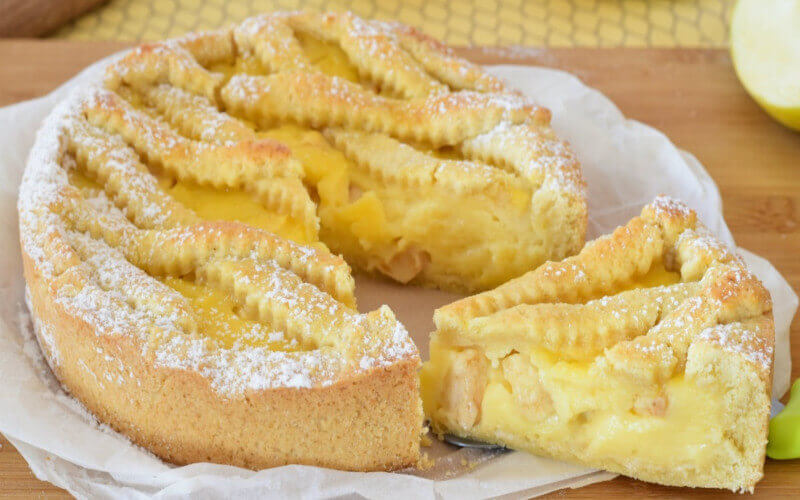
[
  {"x": 534, "y": 153},
  {"x": 746, "y": 340},
  {"x": 665, "y": 207},
  {"x": 43, "y": 332},
  {"x": 118, "y": 299}
]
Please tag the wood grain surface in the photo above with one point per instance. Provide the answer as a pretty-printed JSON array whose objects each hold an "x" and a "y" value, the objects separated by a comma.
[{"x": 690, "y": 95}]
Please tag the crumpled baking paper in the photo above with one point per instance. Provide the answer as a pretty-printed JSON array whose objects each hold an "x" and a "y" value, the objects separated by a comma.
[{"x": 625, "y": 164}]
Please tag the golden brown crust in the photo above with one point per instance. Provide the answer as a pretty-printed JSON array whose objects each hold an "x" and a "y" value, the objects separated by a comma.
[{"x": 187, "y": 420}]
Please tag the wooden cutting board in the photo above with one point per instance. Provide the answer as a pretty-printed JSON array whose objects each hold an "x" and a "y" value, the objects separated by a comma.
[{"x": 691, "y": 95}]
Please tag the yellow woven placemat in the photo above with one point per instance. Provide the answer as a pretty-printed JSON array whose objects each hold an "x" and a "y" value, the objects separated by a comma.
[{"x": 564, "y": 23}]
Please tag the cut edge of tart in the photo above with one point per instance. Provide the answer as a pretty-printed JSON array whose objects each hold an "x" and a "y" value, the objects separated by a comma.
[{"x": 648, "y": 354}]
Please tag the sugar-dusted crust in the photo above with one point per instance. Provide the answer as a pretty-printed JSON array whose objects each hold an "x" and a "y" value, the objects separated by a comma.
[
  {"x": 128, "y": 346},
  {"x": 124, "y": 345},
  {"x": 713, "y": 329},
  {"x": 180, "y": 416},
  {"x": 97, "y": 229}
]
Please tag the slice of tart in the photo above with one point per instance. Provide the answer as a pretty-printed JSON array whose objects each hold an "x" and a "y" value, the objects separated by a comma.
[{"x": 648, "y": 354}]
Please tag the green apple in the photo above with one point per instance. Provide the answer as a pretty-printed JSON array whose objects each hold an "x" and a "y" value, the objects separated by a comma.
[{"x": 784, "y": 428}]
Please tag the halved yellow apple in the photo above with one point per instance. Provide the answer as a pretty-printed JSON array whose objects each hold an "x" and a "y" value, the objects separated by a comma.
[{"x": 765, "y": 47}]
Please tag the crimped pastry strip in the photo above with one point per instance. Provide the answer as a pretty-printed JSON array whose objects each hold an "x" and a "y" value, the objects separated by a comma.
[
  {"x": 288, "y": 195},
  {"x": 109, "y": 159},
  {"x": 179, "y": 251},
  {"x": 112, "y": 272},
  {"x": 209, "y": 47},
  {"x": 161, "y": 63},
  {"x": 578, "y": 331},
  {"x": 689, "y": 244},
  {"x": 728, "y": 294},
  {"x": 195, "y": 116},
  {"x": 168, "y": 251},
  {"x": 534, "y": 152},
  {"x": 320, "y": 100},
  {"x": 391, "y": 160},
  {"x": 629, "y": 251},
  {"x": 261, "y": 166},
  {"x": 185, "y": 158},
  {"x": 272, "y": 41},
  {"x": 280, "y": 298},
  {"x": 371, "y": 47},
  {"x": 438, "y": 60}
]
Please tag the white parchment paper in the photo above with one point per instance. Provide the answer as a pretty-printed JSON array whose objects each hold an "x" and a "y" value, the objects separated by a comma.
[{"x": 625, "y": 164}]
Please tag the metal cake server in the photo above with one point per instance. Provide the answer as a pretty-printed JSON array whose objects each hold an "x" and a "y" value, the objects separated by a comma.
[{"x": 471, "y": 443}]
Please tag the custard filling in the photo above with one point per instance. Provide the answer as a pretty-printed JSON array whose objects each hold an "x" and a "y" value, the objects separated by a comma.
[
  {"x": 328, "y": 57},
  {"x": 231, "y": 205},
  {"x": 566, "y": 405},
  {"x": 530, "y": 398},
  {"x": 657, "y": 275}
]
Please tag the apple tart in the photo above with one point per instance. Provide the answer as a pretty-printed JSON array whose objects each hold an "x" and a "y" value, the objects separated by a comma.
[
  {"x": 182, "y": 220},
  {"x": 649, "y": 354}
]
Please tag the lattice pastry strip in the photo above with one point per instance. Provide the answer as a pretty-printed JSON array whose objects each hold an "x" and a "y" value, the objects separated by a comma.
[
  {"x": 372, "y": 48},
  {"x": 288, "y": 196},
  {"x": 319, "y": 100},
  {"x": 729, "y": 294},
  {"x": 696, "y": 250},
  {"x": 209, "y": 48},
  {"x": 112, "y": 272},
  {"x": 579, "y": 331},
  {"x": 248, "y": 163},
  {"x": 179, "y": 251},
  {"x": 105, "y": 290},
  {"x": 439, "y": 61},
  {"x": 199, "y": 161},
  {"x": 750, "y": 338},
  {"x": 107, "y": 158},
  {"x": 736, "y": 293},
  {"x": 195, "y": 116},
  {"x": 628, "y": 252},
  {"x": 270, "y": 38},
  {"x": 390, "y": 160},
  {"x": 283, "y": 300},
  {"x": 271, "y": 293},
  {"x": 534, "y": 152},
  {"x": 94, "y": 304},
  {"x": 160, "y": 63}
]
